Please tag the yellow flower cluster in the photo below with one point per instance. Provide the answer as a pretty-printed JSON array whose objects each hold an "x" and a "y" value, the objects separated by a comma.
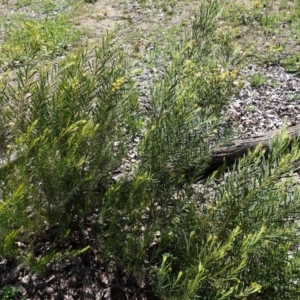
[
  {"x": 257, "y": 4},
  {"x": 74, "y": 83},
  {"x": 188, "y": 66},
  {"x": 117, "y": 84}
]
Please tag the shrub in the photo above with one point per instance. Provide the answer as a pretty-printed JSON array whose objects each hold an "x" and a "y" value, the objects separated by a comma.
[
  {"x": 238, "y": 241},
  {"x": 61, "y": 126},
  {"x": 67, "y": 128},
  {"x": 9, "y": 292}
]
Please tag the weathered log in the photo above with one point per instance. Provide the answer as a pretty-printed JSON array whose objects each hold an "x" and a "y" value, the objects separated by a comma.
[{"x": 239, "y": 147}]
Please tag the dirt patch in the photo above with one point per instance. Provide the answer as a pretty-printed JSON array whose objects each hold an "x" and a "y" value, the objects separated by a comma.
[
  {"x": 133, "y": 20},
  {"x": 96, "y": 19}
]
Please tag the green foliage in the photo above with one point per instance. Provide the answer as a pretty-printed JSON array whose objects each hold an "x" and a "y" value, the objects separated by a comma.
[
  {"x": 8, "y": 248},
  {"x": 186, "y": 106},
  {"x": 182, "y": 125},
  {"x": 67, "y": 127},
  {"x": 257, "y": 79},
  {"x": 56, "y": 116},
  {"x": 241, "y": 241},
  {"x": 45, "y": 7},
  {"x": 22, "y": 3},
  {"x": 8, "y": 292},
  {"x": 292, "y": 63},
  {"x": 245, "y": 12},
  {"x": 48, "y": 38},
  {"x": 235, "y": 243},
  {"x": 52, "y": 256}
]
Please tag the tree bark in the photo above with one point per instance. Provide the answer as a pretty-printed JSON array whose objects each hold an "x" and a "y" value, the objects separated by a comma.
[{"x": 239, "y": 147}]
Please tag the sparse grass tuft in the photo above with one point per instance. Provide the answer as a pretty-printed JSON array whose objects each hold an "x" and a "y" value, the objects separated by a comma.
[
  {"x": 257, "y": 80},
  {"x": 46, "y": 38}
]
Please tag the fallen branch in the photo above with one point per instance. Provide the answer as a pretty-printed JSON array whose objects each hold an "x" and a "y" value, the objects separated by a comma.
[{"x": 239, "y": 147}]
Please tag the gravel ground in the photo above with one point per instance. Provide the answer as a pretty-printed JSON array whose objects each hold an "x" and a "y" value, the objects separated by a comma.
[{"x": 267, "y": 107}]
